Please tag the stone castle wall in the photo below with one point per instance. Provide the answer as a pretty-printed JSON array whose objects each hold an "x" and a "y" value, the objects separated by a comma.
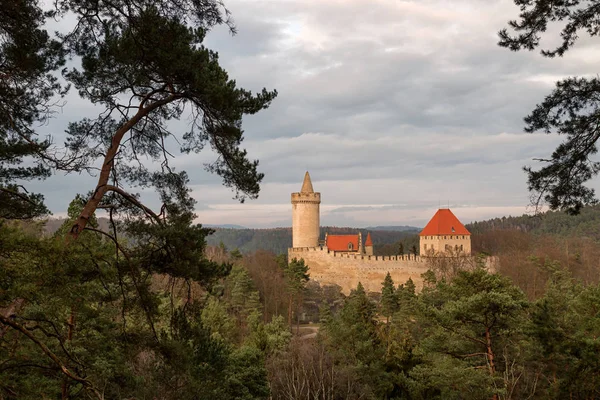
[
  {"x": 346, "y": 270},
  {"x": 438, "y": 243},
  {"x": 305, "y": 219}
]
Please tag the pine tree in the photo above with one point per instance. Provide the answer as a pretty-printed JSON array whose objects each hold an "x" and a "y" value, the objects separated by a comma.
[
  {"x": 27, "y": 57},
  {"x": 296, "y": 276},
  {"x": 566, "y": 326},
  {"x": 474, "y": 323},
  {"x": 571, "y": 109},
  {"x": 389, "y": 298},
  {"x": 90, "y": 305}
]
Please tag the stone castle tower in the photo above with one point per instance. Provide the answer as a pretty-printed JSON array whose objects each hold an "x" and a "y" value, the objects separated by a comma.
[
  {"x": 345, "y": 261},
  {"x": 305, "y": 215}
]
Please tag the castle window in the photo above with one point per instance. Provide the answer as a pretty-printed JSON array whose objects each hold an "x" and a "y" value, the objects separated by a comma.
[
  {"x": 425, "y": 247},
  {"x": 461, "y": 247},
  {"x": 350, "y": 247},
  {"x": 453, "y": 230}
]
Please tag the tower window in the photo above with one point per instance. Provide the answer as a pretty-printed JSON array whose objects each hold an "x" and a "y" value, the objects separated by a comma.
[
  {"x": 453, "y": 230},
  {"x": 350, "y": 247}
]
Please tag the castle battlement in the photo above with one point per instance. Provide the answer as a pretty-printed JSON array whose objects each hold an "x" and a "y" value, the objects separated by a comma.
[
  {"x": 297, "y": 252},
  {"x": 306, "y": 198},
  {"x": 345, "y": 269},
  {"x": 346, "y": 262}
]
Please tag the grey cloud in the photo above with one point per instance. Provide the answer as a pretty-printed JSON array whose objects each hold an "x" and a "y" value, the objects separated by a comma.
[{"x": 384, "y": 102}]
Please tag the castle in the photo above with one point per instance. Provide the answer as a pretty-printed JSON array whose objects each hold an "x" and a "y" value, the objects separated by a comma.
[{"x": 345, "y": 260}]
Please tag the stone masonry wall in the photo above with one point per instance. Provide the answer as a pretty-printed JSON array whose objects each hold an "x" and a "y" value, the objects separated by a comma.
[
  {"x": 305, "y": 219},
  {"x": 346, "y": 270},
  {"x": 438, "y": 243}
]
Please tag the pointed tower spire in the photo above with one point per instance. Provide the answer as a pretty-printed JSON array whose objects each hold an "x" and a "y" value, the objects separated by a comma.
[
  {"x": 307, "y": 184},
  {"x": 369, "y": 242},
  {"x": 369, "y": 245},
  {"x": 305, "y": 216}
]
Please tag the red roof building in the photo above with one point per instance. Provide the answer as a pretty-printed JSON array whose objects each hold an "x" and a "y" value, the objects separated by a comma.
[
  {"x": 444, "y": 222},
  {"x": 445, "y": 234},
  {"x": 342, "y": 242}
]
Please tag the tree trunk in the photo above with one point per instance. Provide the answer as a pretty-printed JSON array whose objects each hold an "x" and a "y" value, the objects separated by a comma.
[
  {"x": 490, "y": 356},
  {"x": 108, "y": 163},
  {"x": 290, "y": 313},
  {"x": 8, "y": 312},
  {"x": 297, "y": 318},
  {"x": 65, "y": 383}
]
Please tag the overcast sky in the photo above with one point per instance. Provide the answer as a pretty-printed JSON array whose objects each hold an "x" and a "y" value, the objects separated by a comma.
[{"x": 395, "y": 107}]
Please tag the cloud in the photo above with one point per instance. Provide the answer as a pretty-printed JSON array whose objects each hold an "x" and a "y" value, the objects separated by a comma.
[{"x": 395, "y": 107}]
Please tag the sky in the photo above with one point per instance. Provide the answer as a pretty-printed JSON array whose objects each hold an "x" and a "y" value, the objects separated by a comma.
[{"x": 396, "y": 108}]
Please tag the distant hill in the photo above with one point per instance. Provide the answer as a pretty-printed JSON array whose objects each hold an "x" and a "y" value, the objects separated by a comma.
[
  {"x": 225, "y": 226},
  {"x": 387, "y": 238},
  {"x": 401, "y": 228},
  {"x": 54, "y": 224},
  {"x": 278, "y": 240},
  {"x": 586, "y": 224}
]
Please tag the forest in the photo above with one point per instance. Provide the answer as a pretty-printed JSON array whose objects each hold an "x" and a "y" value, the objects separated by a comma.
[{"x": 87, "y": 324}]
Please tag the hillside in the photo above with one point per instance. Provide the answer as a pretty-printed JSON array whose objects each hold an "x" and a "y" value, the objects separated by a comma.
[
  {"x": 584, "y": 225},
  {"x": 401, "y": 228},
  {"x": 387, "y": 238},
  {"x": 278, "y": 240}
]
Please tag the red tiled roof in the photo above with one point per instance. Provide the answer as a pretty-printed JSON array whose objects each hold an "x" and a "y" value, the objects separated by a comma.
[
  {"x": 444, "y": 223},
  {"x": 368, "y": 242},
  {"x": 340, "y": 242}
]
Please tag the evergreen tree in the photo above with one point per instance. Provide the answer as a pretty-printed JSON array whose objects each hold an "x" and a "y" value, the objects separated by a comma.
[
  {"x": 296, "y": 276},
  {"x": 474, "y": 324},
  {"x": 144, "y": 66},
  {"x": 571, "y": 109},
  {"x": 389, "y": 298},
  {"x": 566, "y": 324},
  {"x": 351, "y": 337},
  {"x": 27, "y": 58}
]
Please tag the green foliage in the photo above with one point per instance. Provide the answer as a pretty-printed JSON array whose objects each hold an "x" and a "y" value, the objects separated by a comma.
[
  {"x": 566, "y": 324},
  {"x": 278, "y": 240},
  {"x": 389, "y": 298},
  {"x": 549, "y": 223},
  {"x": 27, "y": 57},
  {"x": 472, "y": 320},
  {"x": 216, "y": 318},
  {"x": 296, "y": 273},
  {"x": 45, "y": 282},
  {"x": 352, "y": 338},
  {"x": 571, "y": 109},
  {"x": 272, "y": 337}
]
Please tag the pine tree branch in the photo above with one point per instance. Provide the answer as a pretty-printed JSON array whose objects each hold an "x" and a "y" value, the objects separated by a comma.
[{"x": 85, "y": 382}]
